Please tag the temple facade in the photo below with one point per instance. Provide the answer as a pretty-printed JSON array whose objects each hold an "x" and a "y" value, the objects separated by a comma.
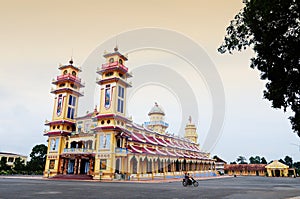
[{"x": 106, "y": 143}]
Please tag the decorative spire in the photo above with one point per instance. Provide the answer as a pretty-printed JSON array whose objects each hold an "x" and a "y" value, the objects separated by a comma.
[
  {"x": 116, "y": 48},
  {"x": 190, "y": 119},
  {"x": 71, "y": 61}
]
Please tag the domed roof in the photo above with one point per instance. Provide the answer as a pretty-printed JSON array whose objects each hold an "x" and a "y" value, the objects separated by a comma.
[{"x": 156, "y": 109}]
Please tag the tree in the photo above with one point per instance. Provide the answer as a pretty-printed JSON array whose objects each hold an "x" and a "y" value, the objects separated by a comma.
[
  {"x": 255, "y": 160},
  {"x": 241, "y": 160},
  {"x": 272, "y": 30},
  {"x": 38, "y": 159},
  {"x": 263, "y": 160},
  {"x": 3, "y": 164},
  {"x": 288, "y": 161},
  {"x": 282, "y": 161},
  {"x": 19, "y": 165},
  {"x": 252, "y": 160}
]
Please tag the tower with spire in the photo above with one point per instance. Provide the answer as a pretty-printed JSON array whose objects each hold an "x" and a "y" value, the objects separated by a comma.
[
  {"x": 191, "y": 131},
  {"x": 111, "y": 120},
  {"x": 62, "y": 124}
]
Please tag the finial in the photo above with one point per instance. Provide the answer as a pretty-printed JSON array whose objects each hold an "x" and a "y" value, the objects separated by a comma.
[
  {"x": 190, "y": 119},
  {"x": 71, "y": 61},
  {"x": 116, "y": 48}
]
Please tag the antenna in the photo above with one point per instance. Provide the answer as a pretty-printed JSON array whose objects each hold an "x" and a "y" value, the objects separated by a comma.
[{"x": 72, "y": 54}]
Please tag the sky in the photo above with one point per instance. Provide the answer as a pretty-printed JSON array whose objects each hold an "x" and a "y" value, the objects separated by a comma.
[{"x": 36, "y": 36}]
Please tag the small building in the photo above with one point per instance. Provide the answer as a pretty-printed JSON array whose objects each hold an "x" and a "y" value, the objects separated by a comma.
[
  {"x": 277, "y": 169},
  {"x": 220, "y": 165},
  {"x": 245, "y": 169},
  {"x": 11, "y": 157}
]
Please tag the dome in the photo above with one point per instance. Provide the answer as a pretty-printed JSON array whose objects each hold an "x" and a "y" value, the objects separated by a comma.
[{"x": 156, "y": 109}]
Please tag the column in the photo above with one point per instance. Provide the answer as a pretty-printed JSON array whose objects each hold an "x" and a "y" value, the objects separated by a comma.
[
  {"x": 75, "y": 166},
  {"x": 79, "y": 165},
  {"x": 66, "y": 167}
]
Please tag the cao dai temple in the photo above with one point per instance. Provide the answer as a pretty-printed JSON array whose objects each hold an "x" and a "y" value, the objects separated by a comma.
[{"x": 106, "y": 143}]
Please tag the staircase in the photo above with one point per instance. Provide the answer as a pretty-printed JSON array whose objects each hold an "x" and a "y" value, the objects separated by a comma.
[{"x": 72, "y": 177}]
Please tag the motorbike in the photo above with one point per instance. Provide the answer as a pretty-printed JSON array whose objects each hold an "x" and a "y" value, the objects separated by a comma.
[{"x": 190, "y": 181}]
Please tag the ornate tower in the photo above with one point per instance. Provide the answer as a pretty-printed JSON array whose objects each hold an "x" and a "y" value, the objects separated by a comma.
[
  {"x": 191, "y": 131},
  {"x": 157, "y": 122},
  {"x": 112, "y": 114},
  {"x": 66, "y": 93}
]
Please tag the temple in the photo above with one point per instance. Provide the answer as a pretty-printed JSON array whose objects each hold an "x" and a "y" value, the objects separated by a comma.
[{"x": 106, "y": 143}]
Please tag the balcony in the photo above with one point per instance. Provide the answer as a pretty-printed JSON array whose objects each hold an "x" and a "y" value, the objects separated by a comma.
[
  {"x": 113, "y": 64},
  {"x": 121, "y": 151},
  {"x": 68, "y": 76},
  {"x": 78, "y": 150}
]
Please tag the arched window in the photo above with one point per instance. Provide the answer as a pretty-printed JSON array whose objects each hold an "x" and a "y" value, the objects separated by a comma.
[
  {"x": 133, "y": 162},
  {"x": 119, "y": 142}
]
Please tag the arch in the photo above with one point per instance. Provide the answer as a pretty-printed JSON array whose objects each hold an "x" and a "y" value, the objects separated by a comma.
[
  {"x": 73, "y": 144},
  {"x": 191, "y": 166},
  {"x": 169, "y": 165},
  {"x": 133, "y": 163},
  {"x": 141, "y": 166},
  {"x": 184, "y": 165},
  {"x": 177, "y": 165},
  {"x": 117, "y": 169},
  {"x": 119, "y": 142},
  {"x": 149, "y": 166}
]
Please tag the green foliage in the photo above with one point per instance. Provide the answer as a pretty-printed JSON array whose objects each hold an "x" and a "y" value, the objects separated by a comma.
[
  {"x": 263, "y": 160},
  {"x": 241, "y": 160},
  {"x": 257, "y": 160},
  {"x": 3, "y": 164},
  {"x": 288, "y": 161},
  {"x": 19, "y": 166},
  {"x": 272, "y": 30},
  {"x": 38, "y": 159}
]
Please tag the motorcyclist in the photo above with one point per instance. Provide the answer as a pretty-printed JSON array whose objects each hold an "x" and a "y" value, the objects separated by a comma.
[{"x": 188, "y": 178}]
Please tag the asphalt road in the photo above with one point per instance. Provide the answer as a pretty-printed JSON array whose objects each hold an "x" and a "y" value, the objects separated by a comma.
[{"x": 227, "y": 188}]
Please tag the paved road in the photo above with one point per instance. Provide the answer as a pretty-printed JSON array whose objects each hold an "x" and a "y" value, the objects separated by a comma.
[{"x": 225, "y": 188}]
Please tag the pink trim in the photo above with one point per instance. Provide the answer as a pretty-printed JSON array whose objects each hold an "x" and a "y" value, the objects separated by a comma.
[
  {"x": 138, "y": 138},
  {"x": 160, "y": 152},
  {"x": 149, "y": 151},
  {"x": 135, "y": 149},
  {"x": 149, "y": 140},
  {"x": 171, "y": 154},
  {"x": 158, "y": 141},
  {"x": 178, "y": 154}
]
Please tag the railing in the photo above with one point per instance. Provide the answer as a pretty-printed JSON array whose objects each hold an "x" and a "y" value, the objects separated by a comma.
[
  {"x": 121, "y": 150},
  {"x": 156, "y": 122},
  {"x": 78, "y": 150},
  {"x": 107, "y": 65},
  {"x": 70, "y": 76}
]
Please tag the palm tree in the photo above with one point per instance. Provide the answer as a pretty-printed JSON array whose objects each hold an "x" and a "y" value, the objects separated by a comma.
[{"x": 241, "y": 160}]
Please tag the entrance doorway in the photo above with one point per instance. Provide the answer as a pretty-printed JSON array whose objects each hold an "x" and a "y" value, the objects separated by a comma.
[
  {"x": 277, "y": 173},
  {"x": 84, "y": 166},
  {"x": 71, "y": 166}
]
